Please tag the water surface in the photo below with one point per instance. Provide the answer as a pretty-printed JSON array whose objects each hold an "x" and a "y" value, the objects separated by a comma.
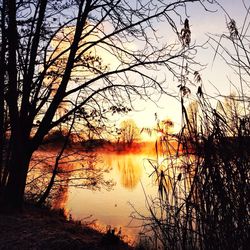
[{"x": 130, "y": 173}]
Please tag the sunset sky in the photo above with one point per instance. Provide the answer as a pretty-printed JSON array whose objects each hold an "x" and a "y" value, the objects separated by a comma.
[{"x": 215, "y": 77}]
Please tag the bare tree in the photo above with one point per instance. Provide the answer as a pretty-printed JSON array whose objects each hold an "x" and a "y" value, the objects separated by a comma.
[
  {"x": 52, "y": 51},
  {"x": 129, "y": 132}
]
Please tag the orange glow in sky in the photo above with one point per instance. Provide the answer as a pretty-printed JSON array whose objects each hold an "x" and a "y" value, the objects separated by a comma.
[{"x": 215, "y": 76}]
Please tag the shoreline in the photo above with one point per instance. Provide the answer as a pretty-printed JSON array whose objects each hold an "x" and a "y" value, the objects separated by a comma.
[{"x": 41, "y": 228}]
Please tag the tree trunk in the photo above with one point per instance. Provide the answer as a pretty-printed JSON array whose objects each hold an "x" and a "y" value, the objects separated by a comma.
[
  {"x": 2, "y": 76},
  {"x": 49, "y": 187},
  {"x": 58, "y": 158},
  {"x": 19, "y": 165}
]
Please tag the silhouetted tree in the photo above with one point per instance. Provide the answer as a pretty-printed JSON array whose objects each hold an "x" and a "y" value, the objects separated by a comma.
[
  {"x": 165, "y": 126},
  {"x": 129, "y": 132},
  {"x": 53, "y": 51}
]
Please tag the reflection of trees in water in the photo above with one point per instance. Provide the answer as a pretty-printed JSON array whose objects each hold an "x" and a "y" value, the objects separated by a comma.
[
  {"x": 75, "y": 169},
  {"x": 130, "y": 170}
]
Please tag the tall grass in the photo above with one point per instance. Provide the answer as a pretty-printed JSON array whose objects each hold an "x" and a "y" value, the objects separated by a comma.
[{"x": 203, "y": 190}]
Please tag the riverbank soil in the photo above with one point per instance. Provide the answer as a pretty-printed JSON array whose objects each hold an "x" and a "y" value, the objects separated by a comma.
[{"x": 43, "y": 229}]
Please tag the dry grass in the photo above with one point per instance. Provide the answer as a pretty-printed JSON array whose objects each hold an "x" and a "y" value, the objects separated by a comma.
[{"x": 43, "y": 229}]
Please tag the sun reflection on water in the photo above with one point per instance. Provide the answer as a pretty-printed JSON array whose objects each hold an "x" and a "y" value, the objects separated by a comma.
[{"x": 129, "y": 172}]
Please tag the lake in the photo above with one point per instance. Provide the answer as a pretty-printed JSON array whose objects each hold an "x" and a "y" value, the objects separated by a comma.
[
  {"x": 129, "y": 172},
  {"x": 128, "y": 183}
]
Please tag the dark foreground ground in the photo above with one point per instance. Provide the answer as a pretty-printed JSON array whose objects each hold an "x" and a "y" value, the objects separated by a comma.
[{"x": 42, "y": 229}]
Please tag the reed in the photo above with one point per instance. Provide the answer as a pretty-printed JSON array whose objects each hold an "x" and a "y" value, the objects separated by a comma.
[{"x": 203, "y": 190}]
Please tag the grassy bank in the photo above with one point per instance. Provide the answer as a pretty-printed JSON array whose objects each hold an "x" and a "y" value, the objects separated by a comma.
[{"x": 35, "y": 228}]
